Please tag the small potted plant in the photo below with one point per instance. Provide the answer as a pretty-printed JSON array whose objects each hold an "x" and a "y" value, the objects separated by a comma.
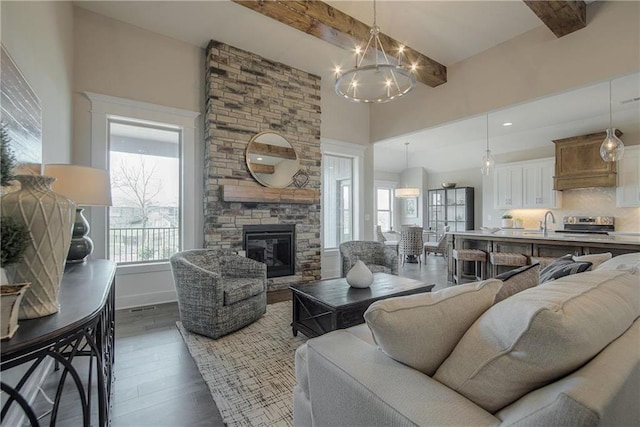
[
  {"x": 507, "y": 221},
  {"x": 15, "y": 239}
]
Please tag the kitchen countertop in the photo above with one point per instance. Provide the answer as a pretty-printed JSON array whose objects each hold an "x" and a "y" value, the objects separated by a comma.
[{"x": 617, "y": 238}]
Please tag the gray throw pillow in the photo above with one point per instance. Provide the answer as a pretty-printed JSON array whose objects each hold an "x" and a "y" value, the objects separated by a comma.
[
  {"x": 517, "y": 280},
  {"x": 563, "y": 267}
]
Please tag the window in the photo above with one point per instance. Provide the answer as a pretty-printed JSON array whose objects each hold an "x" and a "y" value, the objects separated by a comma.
[
  {"x": 338, "y": 200},
  {"x": 384, "y": 208},
  {"x": 144, "y": 163}
]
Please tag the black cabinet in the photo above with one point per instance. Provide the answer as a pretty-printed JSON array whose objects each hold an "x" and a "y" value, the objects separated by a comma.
[{"x": 452, "y": 207}]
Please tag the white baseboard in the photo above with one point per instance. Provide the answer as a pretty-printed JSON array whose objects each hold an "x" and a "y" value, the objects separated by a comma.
[{"x": 130, "y": 301}]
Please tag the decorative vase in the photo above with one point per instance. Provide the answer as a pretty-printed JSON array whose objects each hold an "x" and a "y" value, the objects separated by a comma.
[
  {"x": 359, "y": 276},
  {"x": 10, "y": 298},
  {"x": 49, "y": 218},
  {"x": 507, "y": 223}
]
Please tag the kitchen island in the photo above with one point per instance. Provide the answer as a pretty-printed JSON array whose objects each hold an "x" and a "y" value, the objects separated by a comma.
[{"x": 534, "y": 243}]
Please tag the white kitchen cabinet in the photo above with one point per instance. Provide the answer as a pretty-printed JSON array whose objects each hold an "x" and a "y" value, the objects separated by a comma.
[
  {"x": 628, "y": 190},
  {"x": 537, "y": 185},
  {"x": 507, "y": 187},
  {"x": 527, "y": 185}
]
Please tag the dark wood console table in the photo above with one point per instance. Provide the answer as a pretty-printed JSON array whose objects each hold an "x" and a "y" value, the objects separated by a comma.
[{"x": 84, "y": 326}]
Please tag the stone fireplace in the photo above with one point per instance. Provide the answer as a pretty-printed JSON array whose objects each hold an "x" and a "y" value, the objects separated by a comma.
[{"x": 247, "y": 94}]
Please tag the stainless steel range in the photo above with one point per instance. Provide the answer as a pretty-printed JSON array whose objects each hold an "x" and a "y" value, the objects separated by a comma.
[{"x": 588, "y": 224}]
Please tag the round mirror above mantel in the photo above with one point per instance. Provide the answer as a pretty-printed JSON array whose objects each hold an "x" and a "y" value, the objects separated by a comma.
[{"x": 272, "y": 160}]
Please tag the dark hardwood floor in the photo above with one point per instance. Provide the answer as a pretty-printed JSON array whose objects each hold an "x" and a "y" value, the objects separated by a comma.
[{"x": 157, "y": 382}]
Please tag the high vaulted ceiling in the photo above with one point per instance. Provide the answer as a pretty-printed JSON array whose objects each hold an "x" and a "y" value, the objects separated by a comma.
[{"x": 446, "y": 31}]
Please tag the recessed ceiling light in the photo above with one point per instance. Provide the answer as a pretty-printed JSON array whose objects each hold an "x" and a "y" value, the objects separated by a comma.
[
  {"x": 259, "y": 158},
  {"x": 507, "y": 124}
]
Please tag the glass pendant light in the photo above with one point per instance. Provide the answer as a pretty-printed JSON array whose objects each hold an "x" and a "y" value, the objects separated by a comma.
[
  {"x": 407, "y": 192},
  {"x": 612, "y": 148},
  {"x": 488, "y": 163}
]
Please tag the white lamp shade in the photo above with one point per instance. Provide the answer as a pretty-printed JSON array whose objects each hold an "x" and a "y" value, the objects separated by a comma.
[
  {"x": 404, "y": 193},
  {"x": 84, "y": 185}
]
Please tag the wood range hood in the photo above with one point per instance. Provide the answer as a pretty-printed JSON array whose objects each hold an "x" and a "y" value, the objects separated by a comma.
[{"x": 579, "y": 165}]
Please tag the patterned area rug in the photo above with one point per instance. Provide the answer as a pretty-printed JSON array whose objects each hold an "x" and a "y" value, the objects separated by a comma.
[{"x": 250, "y": 373}]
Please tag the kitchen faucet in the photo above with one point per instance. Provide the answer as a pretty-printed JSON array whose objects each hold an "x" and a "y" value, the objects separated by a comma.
[{"x": 553, "y": 219}]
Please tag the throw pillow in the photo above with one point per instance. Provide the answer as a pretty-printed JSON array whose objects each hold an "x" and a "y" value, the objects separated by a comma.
[
  {"x": 562, "y": 267},
  {"x": 594, "y": 259},
  {"x": 629, "y": 262},
  {"x": 421, "y": 330},
  {"x": 539, "y": 335},
  {"x": 517, "y": 280}
]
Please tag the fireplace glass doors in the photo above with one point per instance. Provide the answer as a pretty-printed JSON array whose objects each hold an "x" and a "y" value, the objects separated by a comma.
[{"x": 273, "y": 245}]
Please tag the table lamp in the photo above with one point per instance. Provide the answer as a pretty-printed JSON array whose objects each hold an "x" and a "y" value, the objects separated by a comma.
[{"x": 86, "y": 186}]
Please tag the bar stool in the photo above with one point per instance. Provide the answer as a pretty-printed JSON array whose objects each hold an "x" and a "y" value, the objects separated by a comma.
[
  {"x": 507, "y": 259},
  {"x": 461, "y": 255}
]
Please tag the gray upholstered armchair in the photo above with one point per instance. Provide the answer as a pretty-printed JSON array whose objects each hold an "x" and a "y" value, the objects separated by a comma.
[
  {"x": 218, "y": 292},
  {"x": 376, "y": 255}
]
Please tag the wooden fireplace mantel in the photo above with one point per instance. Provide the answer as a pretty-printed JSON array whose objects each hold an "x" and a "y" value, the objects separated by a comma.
[{"x": 256, "y": 194}]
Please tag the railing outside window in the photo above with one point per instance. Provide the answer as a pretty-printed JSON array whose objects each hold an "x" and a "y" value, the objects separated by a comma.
[{"x": 132, "y": 245}]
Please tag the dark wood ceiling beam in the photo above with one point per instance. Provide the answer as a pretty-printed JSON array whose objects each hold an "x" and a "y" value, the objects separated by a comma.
[
  {"x": 562, "y": 17},
  {"x": 333, "y": 26}
]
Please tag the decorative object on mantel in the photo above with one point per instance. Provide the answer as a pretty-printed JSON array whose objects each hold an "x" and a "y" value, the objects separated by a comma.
[
  {"x": 612, "y": 148},
  {"x": 359, "y": 276},
  {"x": 488, "y": 163},
  {"x": 272, "y": 160},
  {"x": 49, "y": 217},
  {"x": 86, "y": 186},
  {"x": 10, "y": 297},
  {"x": 407, "y": 192},
  {"x": 301, "y": 178},
  {"x": 380, "y": 81}
]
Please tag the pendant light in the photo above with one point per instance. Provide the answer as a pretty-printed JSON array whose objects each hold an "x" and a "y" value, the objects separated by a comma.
[
  {"x": 376, "y": 76},
  {"x": 488, "y": 163},
  {"x": 407, "y": 192},
  {"x": 612, "y": 148}
]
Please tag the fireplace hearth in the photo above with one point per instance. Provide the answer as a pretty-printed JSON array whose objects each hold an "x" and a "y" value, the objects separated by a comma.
[{"x": 272, "y": 244}]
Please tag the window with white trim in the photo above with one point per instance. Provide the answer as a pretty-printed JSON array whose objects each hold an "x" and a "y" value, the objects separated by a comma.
[
  {"x": 384, "y": 208},
  {"x": 144, "y": 164},
  {"x": 338, "y": 194}
]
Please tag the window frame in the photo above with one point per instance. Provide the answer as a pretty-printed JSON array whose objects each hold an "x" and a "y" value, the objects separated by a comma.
[
  {"x": 160, "y": 126},
  {"x": 105, "y": 107},
  {"x": 391, "y": 186},
  {"x": 356, "y": 153}
]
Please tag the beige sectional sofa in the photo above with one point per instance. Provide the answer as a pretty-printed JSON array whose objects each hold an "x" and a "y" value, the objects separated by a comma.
[{"x": 564, "y": 353}]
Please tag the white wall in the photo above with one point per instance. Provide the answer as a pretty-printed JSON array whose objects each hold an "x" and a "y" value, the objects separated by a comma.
[
  {"x": 117, "y": 59},
  {"x": 530, "y": 66},
  {"x": 39, "y": 38}
]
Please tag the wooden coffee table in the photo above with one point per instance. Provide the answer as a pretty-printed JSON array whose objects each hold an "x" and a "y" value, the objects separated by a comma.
[{"x": 327, "y": 305}]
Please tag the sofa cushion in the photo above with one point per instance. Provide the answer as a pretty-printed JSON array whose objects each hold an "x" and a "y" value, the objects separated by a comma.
[
  {"x": 375, "y": 268},
  {"x": 517, "y": 280},
  {"x": 421, "y": 330},
  {"x": 629, "y": 262},
  {"x": 236, "y": 290},
  {"x": 594, "y": 259},
  {"x": 539, "y": 335},
  {"x": 561, "y": 267}
]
